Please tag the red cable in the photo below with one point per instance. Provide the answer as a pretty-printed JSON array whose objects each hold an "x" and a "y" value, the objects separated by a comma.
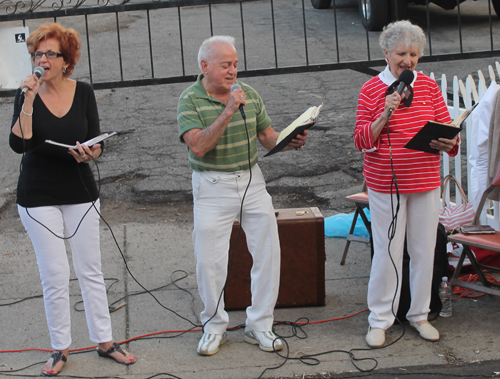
[
  {"x": 332, "y": 319},
  {"x": 471, "y": 278},
  {"x": 462, "y": 292},
  {"x": 177, "y": 331}
]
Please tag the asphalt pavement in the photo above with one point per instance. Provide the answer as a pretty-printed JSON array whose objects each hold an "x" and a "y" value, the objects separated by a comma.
[{"x": 144, "y": 169}]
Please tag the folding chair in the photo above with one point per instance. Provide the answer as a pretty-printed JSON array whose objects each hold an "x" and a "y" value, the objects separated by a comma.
[
  {"x": 485, "y": 241},
  {"x": 360, "y": 200}
]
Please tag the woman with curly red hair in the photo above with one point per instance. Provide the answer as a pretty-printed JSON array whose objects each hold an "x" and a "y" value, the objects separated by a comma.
[{"x": 57, "y": 195}]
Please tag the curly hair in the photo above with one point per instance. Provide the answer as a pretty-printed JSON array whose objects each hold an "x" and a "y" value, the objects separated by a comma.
[
  {"x": 68, "y": 39},
  {"x": 402, "y": 32}
]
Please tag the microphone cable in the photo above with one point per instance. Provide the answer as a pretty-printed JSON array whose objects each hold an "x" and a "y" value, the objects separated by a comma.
[
  {"x": 100, "y": 215},
  {"x": 116, "y": 242},
  {"x": 391, "y": 232},
  {"x": 194, "y": 325},
  {"x": 233, "y": 250},
  {"x": 21, "y": 104},
  {"x": 311, "y": 359}
]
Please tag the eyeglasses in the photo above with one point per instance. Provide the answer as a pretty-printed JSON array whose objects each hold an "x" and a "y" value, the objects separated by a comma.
[{"x": 48, "y": 54}]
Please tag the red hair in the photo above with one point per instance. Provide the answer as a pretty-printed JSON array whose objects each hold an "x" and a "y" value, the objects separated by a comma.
[{"x": 68, "y": 40}]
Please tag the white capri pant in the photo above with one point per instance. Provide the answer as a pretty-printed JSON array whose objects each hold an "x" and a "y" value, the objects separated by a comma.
[
  {"x": 217, "y": 201},
  {"x": 418, "y": 217},
  {"x": 55, "y": 273}
]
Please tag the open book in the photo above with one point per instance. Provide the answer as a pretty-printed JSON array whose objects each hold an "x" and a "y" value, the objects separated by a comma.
[
  {"x": 89, "y": 143},
  {"x": 303, "y": 122},
  {"x": 434, "y": 130}
]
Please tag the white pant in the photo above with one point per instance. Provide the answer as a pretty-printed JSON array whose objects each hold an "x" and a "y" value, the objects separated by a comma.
[
  {"x": 55, "y": 273},
  {"x": 418, "y": 217},
  {"x": 217, "y": 200}
]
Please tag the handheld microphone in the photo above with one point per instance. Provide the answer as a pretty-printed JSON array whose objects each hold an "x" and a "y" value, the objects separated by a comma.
[
  {"x": 39, "y": 72},
  {"x": 405, "y": 79},
  {"x": 234, "y": 87}
]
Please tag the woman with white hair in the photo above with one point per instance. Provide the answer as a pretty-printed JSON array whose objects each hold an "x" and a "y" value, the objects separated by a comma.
[{"x": 403, "y": 184}]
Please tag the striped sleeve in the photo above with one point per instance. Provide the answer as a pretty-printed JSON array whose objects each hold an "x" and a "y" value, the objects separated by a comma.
[
  {"x": 368, "y": 111},
  {"x": 187, "y": 116}
]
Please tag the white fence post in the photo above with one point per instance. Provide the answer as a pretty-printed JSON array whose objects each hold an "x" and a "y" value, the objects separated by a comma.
[{"x": 469, "y": 93}]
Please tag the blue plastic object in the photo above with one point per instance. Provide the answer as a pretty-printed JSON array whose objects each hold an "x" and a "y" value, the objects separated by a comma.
[{"x": 340, "y": 224}]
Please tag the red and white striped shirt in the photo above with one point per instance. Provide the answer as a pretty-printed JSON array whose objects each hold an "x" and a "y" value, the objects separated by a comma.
[{"x": 415, "y": 171}]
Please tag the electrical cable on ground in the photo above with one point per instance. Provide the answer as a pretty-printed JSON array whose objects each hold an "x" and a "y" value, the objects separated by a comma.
[
  {"x": 234, "y": 328},
  {"x": 471, "y": 278},
  {"x": 296, "y": 327}
]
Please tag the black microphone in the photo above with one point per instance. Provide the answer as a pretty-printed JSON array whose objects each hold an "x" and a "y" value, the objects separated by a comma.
[
  {"x": 234, "y": 87},
  {"x": 405, "y": 79},
  {"x": 39, "y": 72}
]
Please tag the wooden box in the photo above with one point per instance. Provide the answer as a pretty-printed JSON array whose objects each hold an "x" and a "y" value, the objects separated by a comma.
[{"x": 302, "y": 278}]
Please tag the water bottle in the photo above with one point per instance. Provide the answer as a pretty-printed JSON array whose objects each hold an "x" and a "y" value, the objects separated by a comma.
[{"x": 445, "y": 296}]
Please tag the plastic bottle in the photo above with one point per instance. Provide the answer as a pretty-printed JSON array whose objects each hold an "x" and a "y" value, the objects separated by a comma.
[{"x": 445, "y": 295}]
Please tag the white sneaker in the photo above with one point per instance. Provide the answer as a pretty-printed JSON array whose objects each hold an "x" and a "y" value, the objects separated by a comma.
[
  {"x": 375, "y": 337},
  {"x": 209, "y": 343},
  {"x": 267, "y": 341}
]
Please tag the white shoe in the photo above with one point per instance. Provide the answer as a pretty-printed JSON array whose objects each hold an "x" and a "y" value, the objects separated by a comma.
[
  {"x": 209, "y": 343},
  {"x": 267, "y": 341},
  {"x": 375, "y": 337},
  {"x": 426, "y": 331}
]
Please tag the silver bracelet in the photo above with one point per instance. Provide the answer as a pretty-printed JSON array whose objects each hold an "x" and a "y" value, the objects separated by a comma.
[{"x": 27, "y": 114}]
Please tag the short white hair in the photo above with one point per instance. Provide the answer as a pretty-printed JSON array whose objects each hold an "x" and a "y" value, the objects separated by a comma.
[
  {"x": 402, "y": 32},
  {"x": 206, "y": 51}
]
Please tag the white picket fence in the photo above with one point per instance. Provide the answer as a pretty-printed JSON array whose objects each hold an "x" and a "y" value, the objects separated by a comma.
[{"x": 470, "y": 94}]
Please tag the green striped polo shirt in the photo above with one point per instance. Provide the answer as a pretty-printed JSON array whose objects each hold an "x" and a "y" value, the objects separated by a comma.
[{"x": 197, "y": 110}]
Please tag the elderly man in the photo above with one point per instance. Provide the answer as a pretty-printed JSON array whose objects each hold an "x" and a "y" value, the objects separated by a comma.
[{"x": 227, "y": 183}]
